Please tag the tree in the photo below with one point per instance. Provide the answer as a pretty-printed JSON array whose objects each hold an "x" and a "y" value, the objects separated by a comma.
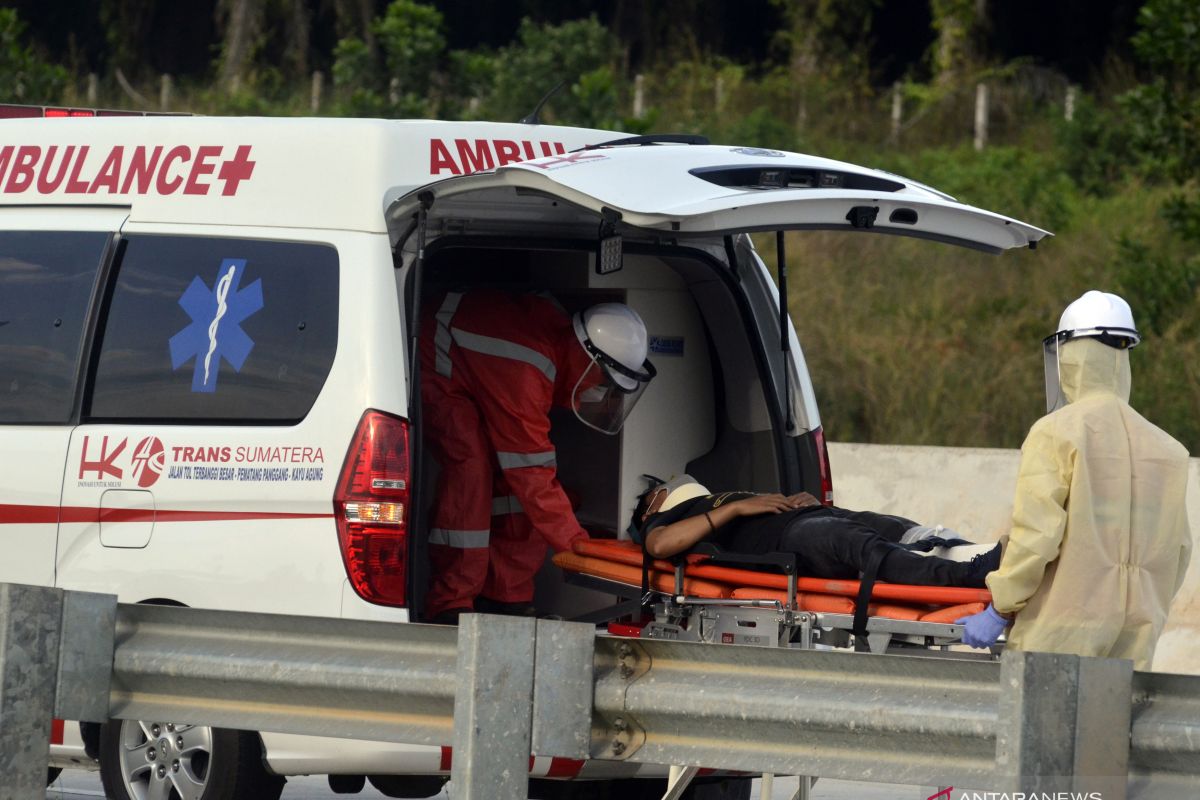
[
  {"x": 827, "y": 43},
  {"x": 958, "y": 50},
  {"x": 241, "y": 23},
  {"x": 411, "y": 46},
  {"x": 25, "y": 78},
  {"x": 411, "y": 38},
  {"x": 127, "y": 25},
  {"x": 1163, "y": 119},
  {"x": 1165, "y": 113},
  {"x": 354, "y": 18},
  {"x": 297, "y": 28},
  {"x": 580, "y": 52}
]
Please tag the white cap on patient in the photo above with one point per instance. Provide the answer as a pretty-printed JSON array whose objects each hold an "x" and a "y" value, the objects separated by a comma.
[{"x": 680, "y": 490}]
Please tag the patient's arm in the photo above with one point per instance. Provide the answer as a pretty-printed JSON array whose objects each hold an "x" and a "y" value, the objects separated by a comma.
[{"x": 667, "y": 540}]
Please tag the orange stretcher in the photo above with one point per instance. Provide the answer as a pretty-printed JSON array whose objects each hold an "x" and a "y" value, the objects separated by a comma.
[{"x": 621, "y": 561}]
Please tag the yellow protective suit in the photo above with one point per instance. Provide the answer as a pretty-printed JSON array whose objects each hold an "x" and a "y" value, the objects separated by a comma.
[{"x": 1099, "y": 542}]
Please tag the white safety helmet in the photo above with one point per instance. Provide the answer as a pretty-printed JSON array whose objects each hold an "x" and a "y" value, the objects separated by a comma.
[
  {"x": 1096, "y": 315},
  {"x": 614, "y": 336}
]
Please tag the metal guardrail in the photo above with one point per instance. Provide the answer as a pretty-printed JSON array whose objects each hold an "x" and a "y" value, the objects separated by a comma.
[
  {"x": 329, "y": 677},
  {"x": 500, "y": 688},
  {"x": 798, "y": 712}
]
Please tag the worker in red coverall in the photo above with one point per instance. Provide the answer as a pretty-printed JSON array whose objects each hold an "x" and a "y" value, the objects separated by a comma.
[{"x": 493, "y": 364}]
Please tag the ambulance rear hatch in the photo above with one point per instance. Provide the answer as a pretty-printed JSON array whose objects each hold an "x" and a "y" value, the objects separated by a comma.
[{"x": 676, "y": 191}]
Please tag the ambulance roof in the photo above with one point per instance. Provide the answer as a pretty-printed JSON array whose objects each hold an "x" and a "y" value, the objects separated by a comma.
[{"x": 286, "y": 172}]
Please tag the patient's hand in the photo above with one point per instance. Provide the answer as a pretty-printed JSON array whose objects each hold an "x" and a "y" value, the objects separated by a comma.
[
  {"x": 802, "y": 500},
  {"x": 763, "y": 504}
]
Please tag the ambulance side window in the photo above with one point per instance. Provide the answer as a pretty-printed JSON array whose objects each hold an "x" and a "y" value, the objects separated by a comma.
[
  {"x": 216, "y": 330},
  {"x": 46, "y": 280}
]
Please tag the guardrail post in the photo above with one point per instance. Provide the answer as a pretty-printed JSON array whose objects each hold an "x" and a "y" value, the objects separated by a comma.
[
  {"x": 85, "y": 661},
  {"x": 493, "y": 708},
  {"x": 1064, "y": 724},
  {"x": 563, "y": 689},
  {"x": 30, "y": 634}
]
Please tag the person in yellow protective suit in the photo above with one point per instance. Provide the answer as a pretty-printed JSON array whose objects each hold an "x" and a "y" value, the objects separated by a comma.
[{"x": 1099, "y": 542}]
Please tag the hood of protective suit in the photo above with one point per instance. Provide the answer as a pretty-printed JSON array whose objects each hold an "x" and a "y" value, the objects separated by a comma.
[{"x": 1086, "y": 366}]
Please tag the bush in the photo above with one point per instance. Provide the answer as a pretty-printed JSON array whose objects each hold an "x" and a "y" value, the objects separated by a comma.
[
  {"x": 1017, "y": 182},
  {"x": 1095, "y": 147}
]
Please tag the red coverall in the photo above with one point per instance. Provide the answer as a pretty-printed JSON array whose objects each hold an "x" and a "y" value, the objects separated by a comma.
[{"x": 492, "y": 366}]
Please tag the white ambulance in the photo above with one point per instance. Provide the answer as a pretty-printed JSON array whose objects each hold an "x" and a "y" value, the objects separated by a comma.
[{"x": 205, "y": 333}]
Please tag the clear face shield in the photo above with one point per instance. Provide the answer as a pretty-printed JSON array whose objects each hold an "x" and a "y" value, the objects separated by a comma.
[
  {"x": 1119, "y": 338},
  {"x": 605, "y": 394},
  {"x": 1055, "y": 399}
]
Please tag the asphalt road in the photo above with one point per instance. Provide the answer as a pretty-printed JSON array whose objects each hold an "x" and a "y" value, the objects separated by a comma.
[{"x": 79, "y": 785}]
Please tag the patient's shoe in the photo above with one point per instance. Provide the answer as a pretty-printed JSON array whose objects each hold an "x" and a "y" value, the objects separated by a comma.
[{"x": 979, "y": 566}]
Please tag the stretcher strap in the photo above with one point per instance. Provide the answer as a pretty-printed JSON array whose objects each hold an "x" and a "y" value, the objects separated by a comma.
[
  {"x": 862, "y": 605},
  {"x": 644, "y": 601}
]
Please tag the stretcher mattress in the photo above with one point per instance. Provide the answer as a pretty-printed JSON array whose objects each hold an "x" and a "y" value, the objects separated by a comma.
[{"x": 621, "y": 561}]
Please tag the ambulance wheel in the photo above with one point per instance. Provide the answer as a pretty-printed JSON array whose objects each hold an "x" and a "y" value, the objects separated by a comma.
[
  {"x": 143, "y": 760},
  {"x": 719, "y": 789},
  {"x": 638, "y": 789},
  {"x": 52, "y": 774}
]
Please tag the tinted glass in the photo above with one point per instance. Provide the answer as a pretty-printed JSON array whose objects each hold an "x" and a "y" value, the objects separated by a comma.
[
  {"x": 217, "y": 329},
  {"x": 46, "y": 280}
]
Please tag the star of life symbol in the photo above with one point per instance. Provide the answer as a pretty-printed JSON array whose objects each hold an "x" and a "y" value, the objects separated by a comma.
[{"x": 216, "y": 332}]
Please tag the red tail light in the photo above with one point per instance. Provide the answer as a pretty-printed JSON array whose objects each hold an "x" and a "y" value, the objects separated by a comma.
[
  {"x": 13, "y": 111},
  {"x": 371, "y": 509},
  {"x": 19, "y": 112},
  {"x": 823, "y": 466}
]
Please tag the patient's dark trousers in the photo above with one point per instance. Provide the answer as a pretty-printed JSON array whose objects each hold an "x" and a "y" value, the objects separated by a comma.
[{"x": 835, "y": 543}]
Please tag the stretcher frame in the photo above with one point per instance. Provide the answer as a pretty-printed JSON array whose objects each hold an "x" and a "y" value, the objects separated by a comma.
[{"x": 761, "y": 616}]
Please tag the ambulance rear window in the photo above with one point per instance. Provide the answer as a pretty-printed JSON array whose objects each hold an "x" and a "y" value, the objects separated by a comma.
[
  {"x": 46, "y": 280},
  {"x": 216, "y": 330}
]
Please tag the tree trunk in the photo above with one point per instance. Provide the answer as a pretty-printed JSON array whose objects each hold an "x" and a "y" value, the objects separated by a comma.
[
  {"x": 958, "y": 50},
  {"x": 299, "y": 24},
  {"x": 241, "y": 20},
  {"x": 354, "y": 18},
  {"x": 127, "y": 24}
]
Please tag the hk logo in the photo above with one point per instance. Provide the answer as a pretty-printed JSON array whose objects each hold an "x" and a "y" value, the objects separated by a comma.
[
  {"x": 104, "y": 466},
  {"x": 216, "y": 331},
  {"x": 148, "y": 461}
]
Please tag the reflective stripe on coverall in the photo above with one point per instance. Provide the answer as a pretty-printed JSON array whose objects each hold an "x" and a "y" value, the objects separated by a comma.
[
  {"x": 1099, "y": 542},
  {"x": 493, "y": 364}
]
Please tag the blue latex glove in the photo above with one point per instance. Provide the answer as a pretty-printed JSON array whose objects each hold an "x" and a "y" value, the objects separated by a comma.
[{"x": 983, "y": 628}]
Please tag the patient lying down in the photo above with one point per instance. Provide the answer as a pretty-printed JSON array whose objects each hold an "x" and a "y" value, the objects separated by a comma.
[{"x": 828, "y": 542}]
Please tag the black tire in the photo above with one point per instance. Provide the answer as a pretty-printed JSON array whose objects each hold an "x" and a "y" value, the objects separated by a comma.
[
  {"x": 193, "y": 762},
  {"x": 52, "y": 774},
  {"x": 706, "y": 788},
  {"x": 718, "y": 789},
  {"x": 346, "y": 784},
  {"x": 638, "y": 789},
  {"x": 412, "y": 786}
]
